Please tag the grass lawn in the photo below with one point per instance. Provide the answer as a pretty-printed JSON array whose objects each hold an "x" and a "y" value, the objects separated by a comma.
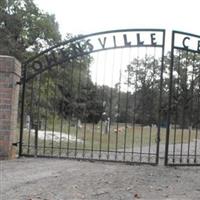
[{"x": 93, "y": 137}]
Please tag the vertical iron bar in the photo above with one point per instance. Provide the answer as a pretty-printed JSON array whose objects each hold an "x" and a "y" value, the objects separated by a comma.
[
  {"x": 149, "y": 150},
  {"x": 110, "y": 114},
  {"x": 38, "y": 110},
  {"x": 183, "y": 114},
  {"x": 133, "y": 128},
  {"x": 101, "y": 132},
  {"x": 170, "y": 99},
  {"x": 191, "y": 110},
  {"x": 62, "y": 113},
  {"x": 103, "y": 100},
  {"x": 177, "y": 106},
  {"x": 111, "y": 105},
  {"x": 174, "y": 143},
  {"x": 54, "y": 111},
  {"x": 68, "y": 134},
  {"x": 141, "y": 141},
  {"x": 100, "y": 139},
  {"x": 126, "y": 111},
  {"x": 160, "y": 98},
  {"x": 135, "y": 99},
  {"x": 118, "y": 106},
  {"x": 92, "y": 147},
  {"x": 45, "y": 129},
  {"x": 96, "y": 92},
  {"x": 143, "y": 107},
  {"x": 22, "y": 110},
  {"x": 188, "y": 153},
  {"x": 71, "y": 111},
  {"x": 36, "y": 140},
  {"x": 79, "y": 91},
  {"x": 125, "y": 133},
  {"x": 61, "y": 132},
  {"x": 84, "y": 138},
  {"x": 195, "y": 147},
  {"x": 75, "y": 152},
  {"x": 118, "y": 111},
  {"x": 101, "y": 127},
  {"x": 151, "y": 109},
  {"x": 197, "y": 126},
  {"x": 182, "y": 133},
  {"x": 85, "y": 111},
  {"x": 31, "y": 109}
]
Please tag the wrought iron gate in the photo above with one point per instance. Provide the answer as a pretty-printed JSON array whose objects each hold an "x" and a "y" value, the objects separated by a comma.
[
  {"x": 182, "y": 141},
  {"x": 96, "y": 97}
]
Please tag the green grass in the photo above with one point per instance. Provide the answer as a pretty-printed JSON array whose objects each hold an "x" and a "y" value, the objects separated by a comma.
[{"x": 93, "y": 137}]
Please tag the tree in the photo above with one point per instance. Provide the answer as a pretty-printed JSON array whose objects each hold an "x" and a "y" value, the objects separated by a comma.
[
  {"x": 144, "y": 78},
  {"x": 24, "y": 29},
  {"x": 185, "y": 89}
]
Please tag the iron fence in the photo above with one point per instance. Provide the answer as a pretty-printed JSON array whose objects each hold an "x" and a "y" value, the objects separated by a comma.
[
  {"x": 182, "y": 141},
  {"x": 96, "y": 97}
]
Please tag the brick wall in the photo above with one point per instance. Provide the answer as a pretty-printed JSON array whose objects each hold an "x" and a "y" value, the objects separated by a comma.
[{"x": 10, "y": 72}]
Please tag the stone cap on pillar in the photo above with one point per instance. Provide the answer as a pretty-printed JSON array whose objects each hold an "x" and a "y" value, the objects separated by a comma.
[{"x": 11, "y": 63}]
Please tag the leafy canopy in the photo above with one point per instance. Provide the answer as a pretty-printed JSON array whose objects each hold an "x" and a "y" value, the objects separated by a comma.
[{"x": 24, "y": 28}]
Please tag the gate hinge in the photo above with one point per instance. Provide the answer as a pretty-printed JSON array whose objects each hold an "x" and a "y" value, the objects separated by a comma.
[
  {"x": 18, "y": 83},
  {"x": 15, "y": 143}
]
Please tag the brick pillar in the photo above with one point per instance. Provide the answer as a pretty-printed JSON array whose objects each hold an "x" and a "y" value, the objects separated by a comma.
[{"x": 10, "y": 73}]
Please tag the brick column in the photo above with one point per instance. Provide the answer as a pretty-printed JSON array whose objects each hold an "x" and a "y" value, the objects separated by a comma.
[{"x": 10, "y": 73}]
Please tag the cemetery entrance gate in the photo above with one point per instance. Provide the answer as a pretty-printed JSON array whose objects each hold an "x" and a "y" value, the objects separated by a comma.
[{"x": 109, "y": 96}]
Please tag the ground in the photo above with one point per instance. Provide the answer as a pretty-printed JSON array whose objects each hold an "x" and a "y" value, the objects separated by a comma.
[{"x": 54, "y": 179}]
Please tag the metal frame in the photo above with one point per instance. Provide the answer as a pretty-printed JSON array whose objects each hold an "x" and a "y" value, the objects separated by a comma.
[
  {"x": 174, "y": 158},
  {"x": 27, "y": 78}
]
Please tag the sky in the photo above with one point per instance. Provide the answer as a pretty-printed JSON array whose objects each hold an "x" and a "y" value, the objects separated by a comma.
[{"x": 88, "y": 16}]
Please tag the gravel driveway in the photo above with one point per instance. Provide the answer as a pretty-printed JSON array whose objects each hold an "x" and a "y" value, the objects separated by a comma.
[{"x": 54, "y": 179}]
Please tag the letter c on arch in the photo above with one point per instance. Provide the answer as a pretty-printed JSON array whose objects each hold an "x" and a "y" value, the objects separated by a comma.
[{"x": 184, "y": 42}]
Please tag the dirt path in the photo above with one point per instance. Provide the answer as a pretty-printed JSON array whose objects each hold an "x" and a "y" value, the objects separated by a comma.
[{"x": 53, "y": 179}]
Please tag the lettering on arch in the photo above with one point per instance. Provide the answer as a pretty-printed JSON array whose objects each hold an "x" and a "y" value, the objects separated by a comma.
[
  {"x": 186, "y": 41},
  {"x": 91, "y": 43}
]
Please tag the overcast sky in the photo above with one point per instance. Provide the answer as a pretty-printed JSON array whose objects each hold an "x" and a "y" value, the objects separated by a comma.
[
  {"x": 87, "y": 16},
  {"x": 90, "y": 16}
]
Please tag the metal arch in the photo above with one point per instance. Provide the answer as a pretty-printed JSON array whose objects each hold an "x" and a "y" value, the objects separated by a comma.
[
  {"x": 70, "y": 41},
  {"x": 90, "y": 35}
]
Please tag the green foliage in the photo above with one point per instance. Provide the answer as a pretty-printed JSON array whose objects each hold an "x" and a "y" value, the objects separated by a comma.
[
  {"x": 144, "y": 78},
  {"x": 25, "y": 29},
  {"x": 185, "y": 90}
]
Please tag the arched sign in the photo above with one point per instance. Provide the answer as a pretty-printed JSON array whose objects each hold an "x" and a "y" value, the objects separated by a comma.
[{"x": 92, "y": 43}]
